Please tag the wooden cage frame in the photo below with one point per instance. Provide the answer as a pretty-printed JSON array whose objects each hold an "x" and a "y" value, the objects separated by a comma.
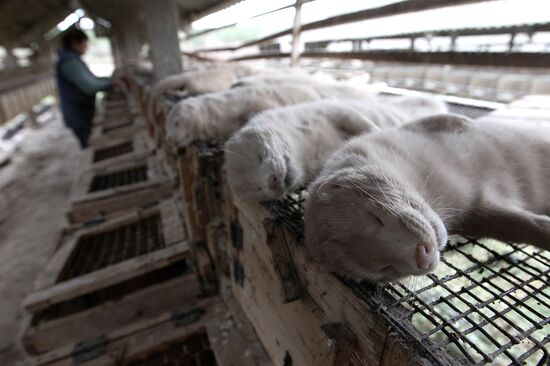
[
  {"x": 232, "y": 339},
  {"x": 141, "y": 148},
  {"x": 87, "y": 206},
  {"x": 299, "y": 312},
  {"x": 132, "y": 305}
]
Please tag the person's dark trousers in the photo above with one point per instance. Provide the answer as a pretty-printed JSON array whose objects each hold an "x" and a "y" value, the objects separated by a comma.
[
  {"x": 79, "y": 117},
  {"x": 82, "y": 134}
]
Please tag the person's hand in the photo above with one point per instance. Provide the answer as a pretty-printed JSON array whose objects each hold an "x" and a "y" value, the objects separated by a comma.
[{"x": 120, "y": 82}]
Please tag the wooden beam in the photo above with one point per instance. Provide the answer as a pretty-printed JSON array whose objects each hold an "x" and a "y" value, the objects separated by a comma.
[
  {"x": 532, "y": 28},
  {"x": 295, "y": 55},
  {"x": 162, "y": 31},
  {"x": 519, "y": 59},
  {"x": 409, "y": 6}
]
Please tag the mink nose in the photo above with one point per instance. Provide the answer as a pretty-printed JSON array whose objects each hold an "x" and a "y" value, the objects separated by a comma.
[
  {"x": 273, "y": 182},
  {"x": 426, "y": 256}
]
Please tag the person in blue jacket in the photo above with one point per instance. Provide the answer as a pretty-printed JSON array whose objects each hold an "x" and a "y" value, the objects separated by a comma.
[{"x": 78, "y": 85}]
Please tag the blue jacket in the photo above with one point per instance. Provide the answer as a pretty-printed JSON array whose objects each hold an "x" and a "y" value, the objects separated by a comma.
[{"x": 77, "y": 87}]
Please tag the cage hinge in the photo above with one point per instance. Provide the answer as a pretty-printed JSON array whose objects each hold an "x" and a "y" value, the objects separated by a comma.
[
  {"x": 89, "y": 349},
  {"x": 186, "y": 317}
]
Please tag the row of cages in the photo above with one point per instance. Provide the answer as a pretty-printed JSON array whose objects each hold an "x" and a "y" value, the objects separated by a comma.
[
  {"x": 162, "y": 264},
  {"x": 486, "y": 304},
  {"x": 25, "y": 98},
  {"x": 490, "y": 84},
  {"x": 122, "y": 285}
]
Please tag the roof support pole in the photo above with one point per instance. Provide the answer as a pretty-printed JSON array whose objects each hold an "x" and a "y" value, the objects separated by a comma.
[
  {"x": 162, "y": 20},
  {"x": 130, "y": 42},
  {"x": 115, "y": 51},
  {"x": 295, "y": 55}
]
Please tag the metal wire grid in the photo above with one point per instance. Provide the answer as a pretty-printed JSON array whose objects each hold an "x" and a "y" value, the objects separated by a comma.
[
  {"x": 101, "y": 250},
  {"x": 289, "y": 213},
  {"x": 112, "y": 151},
  {"x": 468, "y": 111},
  {"x": 488, "y": 302},
  {"x": 117, "y": 179},
  {"x": 194, "y": 351}
]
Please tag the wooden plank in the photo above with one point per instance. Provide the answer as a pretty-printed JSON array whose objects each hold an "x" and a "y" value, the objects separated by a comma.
[
  {"x": 276, "y": 241},
  {"x": 171, "y": 223},
  {"x": 87, "y": 206},
  {"x": 234, "y": 336},
  {"x": 289, "y": 332},
  {"x": 146, "y": 303},
  {"x": 205, "y": 267},
  {"x": 194, "y": 231},
  {"x": 216, "y": 242},
  {"x": 119, "y": 200},
  {"x": 41, "y": 299},
  {"x": 230, "y": 335},
  {"x": 138, "y": 337}
]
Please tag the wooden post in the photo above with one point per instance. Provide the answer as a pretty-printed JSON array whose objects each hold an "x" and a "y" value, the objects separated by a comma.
[
  {"x": 127, "y": 31},
  {"x": 162, "y": 18},
  {"x": 115, "y": 50},
  {"x": 295, "y": 56}
]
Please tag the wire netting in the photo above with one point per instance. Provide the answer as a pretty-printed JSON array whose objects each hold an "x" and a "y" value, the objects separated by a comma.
[
  {"x": 118, "y": 179},
  {"x": 487, "y": 301},
  {"x": 97, "y": 251}
]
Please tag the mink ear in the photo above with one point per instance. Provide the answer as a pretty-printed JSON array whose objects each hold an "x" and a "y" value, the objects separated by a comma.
[{"x": 325, "y": 190}]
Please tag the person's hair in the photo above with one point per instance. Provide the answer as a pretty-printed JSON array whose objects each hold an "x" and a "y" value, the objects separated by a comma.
[{"x": 72, "y": 35}]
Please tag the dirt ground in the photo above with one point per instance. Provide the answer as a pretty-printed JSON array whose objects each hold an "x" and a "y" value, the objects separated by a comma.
[{"x": 34, "y": 193}]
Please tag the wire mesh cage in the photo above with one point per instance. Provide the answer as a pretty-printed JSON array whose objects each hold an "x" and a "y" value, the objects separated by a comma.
[
  {"x": 117, "y": 179},
  {"x": 100, "y": 250},
  {"x": 487, "y": 302}
]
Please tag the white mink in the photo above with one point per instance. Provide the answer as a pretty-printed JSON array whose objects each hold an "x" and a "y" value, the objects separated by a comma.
[
  {"x": 384, "y": 203},
  {"x": 216, "y": 116},
  {"x": 281, "y": 150},
  {"x": 198, "y": 82}
]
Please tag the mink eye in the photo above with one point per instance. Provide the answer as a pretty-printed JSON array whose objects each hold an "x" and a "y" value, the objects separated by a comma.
[
  {"x": 260, "y": 158},
  {"x": 376, "y": 218}
]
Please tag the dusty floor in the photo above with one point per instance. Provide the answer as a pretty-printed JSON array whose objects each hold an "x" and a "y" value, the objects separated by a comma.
[{"x": 34, "y": 192}]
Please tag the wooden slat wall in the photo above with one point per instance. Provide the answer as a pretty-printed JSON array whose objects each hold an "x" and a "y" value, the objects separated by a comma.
[{"x": 22, "y": 97}]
